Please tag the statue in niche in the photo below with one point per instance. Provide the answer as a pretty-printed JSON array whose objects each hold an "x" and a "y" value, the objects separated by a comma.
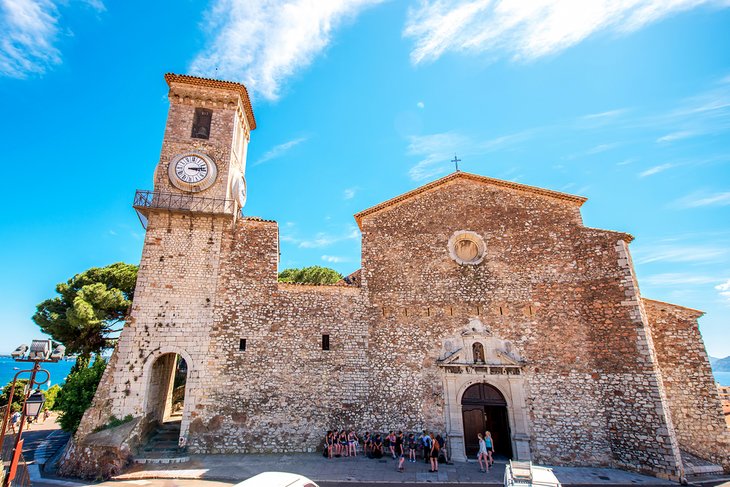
[{"x": 478, "y": 353}]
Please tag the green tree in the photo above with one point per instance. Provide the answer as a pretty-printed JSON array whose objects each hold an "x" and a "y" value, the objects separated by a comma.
[
  {"x": 310, "y": 275},
  {"x": 90, "y": 307},
  {"x": 76, "y": 394},
  {"x": 17, "y": 395}
]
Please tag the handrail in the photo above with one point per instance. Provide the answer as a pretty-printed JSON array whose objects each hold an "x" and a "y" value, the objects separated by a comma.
[{"x": 183, "y": 202}]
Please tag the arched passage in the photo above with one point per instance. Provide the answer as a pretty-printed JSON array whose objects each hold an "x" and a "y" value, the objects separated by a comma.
[
  {"x": 166, "y": 389},
  {"x": 485, "y": 409}
]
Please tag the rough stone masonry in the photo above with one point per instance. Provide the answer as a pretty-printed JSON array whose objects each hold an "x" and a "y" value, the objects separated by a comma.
[{"x": 480, "y": 303}]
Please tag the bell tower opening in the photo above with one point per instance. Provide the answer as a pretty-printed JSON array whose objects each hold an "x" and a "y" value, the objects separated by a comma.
[{"x": 485, "y": 409}]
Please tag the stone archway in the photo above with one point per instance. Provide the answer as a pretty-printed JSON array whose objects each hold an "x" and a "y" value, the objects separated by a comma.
[
  {"x": 159, "y": 374},
  {"x": 499, "y": 370},
  {"x": 167, "y": 379},
  {"x": 484, "y": 408}
]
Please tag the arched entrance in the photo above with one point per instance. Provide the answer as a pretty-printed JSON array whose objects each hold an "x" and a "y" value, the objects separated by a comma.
[
  {"x": 166, "y": 389},
  {"x": 485, "y": 409}
]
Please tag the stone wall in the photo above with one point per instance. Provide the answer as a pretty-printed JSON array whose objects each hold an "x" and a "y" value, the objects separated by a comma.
[
  {"x": 283, "y": 391},
  {"x": 694, "y": 403},
  {"x": 553, "y": 288}
]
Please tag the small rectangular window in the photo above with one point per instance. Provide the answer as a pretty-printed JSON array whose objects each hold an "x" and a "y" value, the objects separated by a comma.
[
  {"x": 325, "y": 342},
  {"x": 242, "y": 345},
  {"x": 201, "y": 123}
]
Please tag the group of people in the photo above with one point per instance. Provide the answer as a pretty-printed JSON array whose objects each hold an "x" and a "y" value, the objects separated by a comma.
[
  {"x": 486, "y": 451},
  {"x": 15, "y": 418},
  {"x": 398, "y": 445}
]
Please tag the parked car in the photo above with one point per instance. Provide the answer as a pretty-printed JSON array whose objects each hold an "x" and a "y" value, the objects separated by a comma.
[
  {"x": 525, "y": 474},
  {"x": 277, "y": 479}
]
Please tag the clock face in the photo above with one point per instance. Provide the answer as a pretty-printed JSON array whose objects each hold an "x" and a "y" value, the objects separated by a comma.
[
  {"x": 192, "y": 171},
  {"x": 239, "y": 191}
]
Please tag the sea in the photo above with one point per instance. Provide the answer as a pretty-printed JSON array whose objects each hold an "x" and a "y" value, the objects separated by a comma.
[{"x": 58, "y": 371}]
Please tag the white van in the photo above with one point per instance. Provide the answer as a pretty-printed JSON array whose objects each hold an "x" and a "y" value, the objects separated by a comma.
[{"x": 277, "y": 479}]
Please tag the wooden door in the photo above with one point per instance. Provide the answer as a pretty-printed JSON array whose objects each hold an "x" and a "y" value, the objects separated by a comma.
[{"x": 473, "y": 425}]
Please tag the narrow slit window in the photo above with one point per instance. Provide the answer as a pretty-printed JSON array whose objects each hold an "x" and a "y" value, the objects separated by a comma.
[
  {"x": 325, "y": 342},
  {"x": 242, "y": 345}
]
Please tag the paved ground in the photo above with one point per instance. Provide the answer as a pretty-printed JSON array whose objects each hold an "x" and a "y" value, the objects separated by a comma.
[
  {"x": 224, "y": 470},
  {"x": 347, "y": 471}
]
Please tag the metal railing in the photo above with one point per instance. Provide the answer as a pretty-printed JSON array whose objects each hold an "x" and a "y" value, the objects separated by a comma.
[{"x": 183, "y": 202}]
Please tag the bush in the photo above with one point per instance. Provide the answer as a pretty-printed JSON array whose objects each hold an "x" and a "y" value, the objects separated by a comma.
[
  {"x": 51, "y": 395},
  {"x": 76, "y": 395},
  {"x": 17, "y": 395},
  {"x": 114, "y": 422},
  {"x": 310, "y": 275}
]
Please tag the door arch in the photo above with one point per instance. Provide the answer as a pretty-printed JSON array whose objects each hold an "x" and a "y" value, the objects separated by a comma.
[
  {"x": 484, "y": 408},
  {"x": 165, "y": 397}
]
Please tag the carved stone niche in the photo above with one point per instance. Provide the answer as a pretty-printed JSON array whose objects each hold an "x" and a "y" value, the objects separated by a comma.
[{"x": 476, "y": 346}]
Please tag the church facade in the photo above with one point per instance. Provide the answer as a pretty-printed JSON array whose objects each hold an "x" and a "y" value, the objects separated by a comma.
[{"x": 480, "y": 304}]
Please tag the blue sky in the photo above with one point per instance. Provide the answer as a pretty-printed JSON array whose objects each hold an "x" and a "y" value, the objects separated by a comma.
[{"x": 357, "y": 101}]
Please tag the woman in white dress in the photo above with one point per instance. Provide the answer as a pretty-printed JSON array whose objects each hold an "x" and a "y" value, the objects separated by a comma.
[{"x": 482, "y": 456}]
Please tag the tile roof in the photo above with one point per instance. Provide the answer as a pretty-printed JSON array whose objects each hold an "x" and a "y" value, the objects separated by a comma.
[
  {"x": 257, "y": 219},
  {"x": 219, "y": 84},
  {"x": 569, "y": 198}
]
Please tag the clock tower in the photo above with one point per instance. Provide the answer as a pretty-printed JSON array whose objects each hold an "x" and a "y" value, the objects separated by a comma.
[
  {"x": 202, "y": 167},
  {"x": 190, "y": 216}
]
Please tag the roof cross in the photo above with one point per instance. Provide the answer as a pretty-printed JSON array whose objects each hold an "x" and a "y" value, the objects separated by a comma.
[{"x": 456, "y": 162}]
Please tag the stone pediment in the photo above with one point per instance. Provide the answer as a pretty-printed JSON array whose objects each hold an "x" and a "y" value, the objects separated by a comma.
[
  {"x": 475, "y": 346},
  {"x": 460, "y": 175}
]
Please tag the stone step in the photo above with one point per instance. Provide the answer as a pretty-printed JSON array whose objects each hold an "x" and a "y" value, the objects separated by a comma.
[
  {"x": 161, "y": 445},
  {"x": 162, "y": 457},
  {"x": 166, "y": 435}
]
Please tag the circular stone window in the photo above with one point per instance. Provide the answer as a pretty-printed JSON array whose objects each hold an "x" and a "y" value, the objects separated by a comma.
[{"x": 467, "y": 248}]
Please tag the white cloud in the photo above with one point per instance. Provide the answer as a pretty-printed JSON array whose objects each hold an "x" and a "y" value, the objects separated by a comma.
[
  {"x": 610, "y": 114},
  {"x": 724, "y": 289},
  {"x": 683, "y": 134},
  {"x": 349, "y": 193},
  {"x": 279, "y": 150},
  {"x": 263, "y": 43},
  {"x": 704, "y": 199},
  {"x": 678, "y": 279},
  {"x": 526, "y": 30},
  {"x": 97, "y": 5},
  {"x": 437, "y": 151},
  {"x": 29, "y": 28},
  {"x": 333, "y": 259},
  {"x": 420, "y": 104},
  {"x": 323, "y": 239},
  {"x": 656, "y": 169},
  {"x": 681, "y": 253},
  {"x": 595, "y": 150}
]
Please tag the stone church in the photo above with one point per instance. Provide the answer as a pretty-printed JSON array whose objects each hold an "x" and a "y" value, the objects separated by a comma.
[{"x": 480, "y": 304}]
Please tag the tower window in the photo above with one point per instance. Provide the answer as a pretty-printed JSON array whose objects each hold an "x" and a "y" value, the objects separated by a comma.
[
  {"x": 325, "y": 342},
  {"x": 201, "y": 123},
  {"x": 242, "y": 345}
]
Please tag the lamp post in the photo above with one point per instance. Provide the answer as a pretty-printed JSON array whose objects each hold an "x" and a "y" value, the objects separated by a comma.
[{"x": 40, "y": 351}]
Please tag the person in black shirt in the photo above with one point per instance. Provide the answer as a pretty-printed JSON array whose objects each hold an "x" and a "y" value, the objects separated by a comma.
[{"x": 378, "y": 447}]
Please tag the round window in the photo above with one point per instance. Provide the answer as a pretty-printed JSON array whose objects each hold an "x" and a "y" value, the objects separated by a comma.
[{"x": 467, "y": 248}]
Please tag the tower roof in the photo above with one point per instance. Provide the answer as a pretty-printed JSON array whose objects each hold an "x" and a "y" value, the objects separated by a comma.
[
  {"x": 216, "y": 84},
  {"x": 569, "y": 198}
]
